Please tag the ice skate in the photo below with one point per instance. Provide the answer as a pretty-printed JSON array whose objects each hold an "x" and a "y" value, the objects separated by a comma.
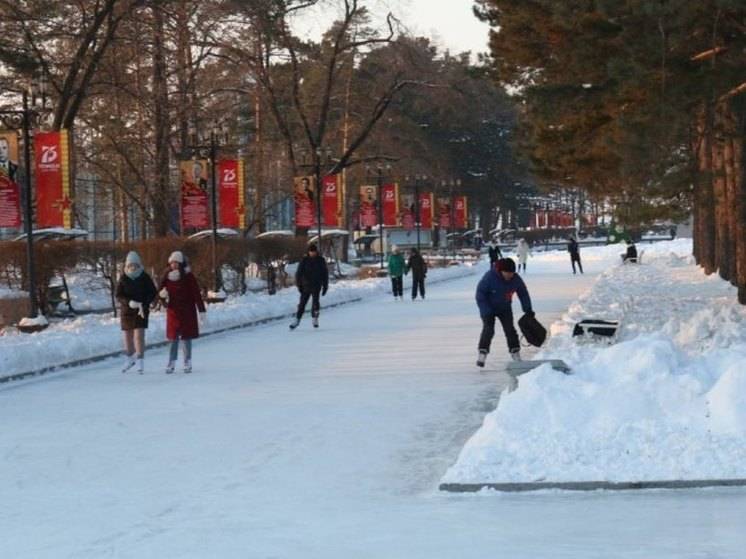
[
  {"x": 188, "y": 366},
  {"x": 482, "y": 358},
  {"x": 140, "y": 365},
  {"x": 294, "y": 324},
  {"x": 170, "y": 367},
  {"x": 129, "y": 362},
  {"x": 315, "y": 321},
  {"x": 516, "y": 355}
]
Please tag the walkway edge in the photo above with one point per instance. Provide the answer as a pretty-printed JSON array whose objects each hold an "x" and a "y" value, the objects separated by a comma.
[
  {"x": 104, "y": 356},
  {"x": 101, "y": 357},
  {"x": 592, "y": 485}
]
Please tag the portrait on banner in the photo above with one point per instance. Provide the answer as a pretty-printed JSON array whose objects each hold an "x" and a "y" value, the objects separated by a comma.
[{"x": 9, "y": 155}]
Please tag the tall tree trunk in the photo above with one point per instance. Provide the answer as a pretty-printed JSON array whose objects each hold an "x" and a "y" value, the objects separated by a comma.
[
  {"x": 705, "y": 228},
  {"x": 722, "y": 240},
  {"x": 739, "y": 165},
  {"x": 729, "y": 132},
  {"x": 160, "y": 195},
  {"x": 182, "y": 71}
]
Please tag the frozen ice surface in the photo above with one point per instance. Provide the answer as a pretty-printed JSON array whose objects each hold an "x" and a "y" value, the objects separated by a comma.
[{"x": 325, "y": 444}]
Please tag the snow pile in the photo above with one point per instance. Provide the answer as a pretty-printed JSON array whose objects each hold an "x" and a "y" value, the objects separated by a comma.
[
  {"x": 667, "y": 402},
  {"x": 93, "y": 335}
]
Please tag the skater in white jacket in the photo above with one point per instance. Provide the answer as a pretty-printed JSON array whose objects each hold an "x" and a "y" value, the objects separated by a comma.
[{"x": 523, "y": 251}]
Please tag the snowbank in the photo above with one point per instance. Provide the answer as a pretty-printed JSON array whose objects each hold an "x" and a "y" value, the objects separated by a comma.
[
  {"x": 667, "y": 402},
  {"x": 93, "y": 335}
]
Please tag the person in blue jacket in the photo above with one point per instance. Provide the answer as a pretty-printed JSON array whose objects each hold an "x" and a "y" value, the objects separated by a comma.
[{"x": 494, "y": 298}]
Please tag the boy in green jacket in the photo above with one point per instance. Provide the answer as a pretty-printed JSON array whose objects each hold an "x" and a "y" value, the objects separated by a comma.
[{"x": 396, "y": 271}]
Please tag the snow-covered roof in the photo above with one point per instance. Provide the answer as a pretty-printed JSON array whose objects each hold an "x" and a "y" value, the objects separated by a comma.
[
  {"x": 276, "y": 233},
  {"x": 329, "y": 234},
  {"x": 222, "y": 232},
  {"x": 54, "y": 234}
]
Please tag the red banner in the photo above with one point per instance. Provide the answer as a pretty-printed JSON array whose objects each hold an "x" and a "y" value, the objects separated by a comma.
[
  {"x": 305, "y": 201},
  {"x": 408, "y": 211},
  {"x": 426, "y": 210},
  {"x": 194, "y": 202},
  {"x": 460, "y": 212},
  {"x": 52, "y": 163},
  {"x": 444, "y": 212},
  {"x": 229, "y": 193},
  {"x": 10, "y": 199},
  {"x": 390, "y": 195},
  {"x": 332, "y": 207},
  {"x": 368, "y": 205}
]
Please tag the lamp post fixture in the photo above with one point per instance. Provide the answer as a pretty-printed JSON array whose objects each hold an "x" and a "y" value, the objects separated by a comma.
[
  {"x": 379, "y": 182},
  {"x": 208, "y": 146},
  {"x": 418, "y": 180},
  {"x": 321, "y": 159},
  {"x": 451, "y": 184},
  {"x": 30, "y": 116}
]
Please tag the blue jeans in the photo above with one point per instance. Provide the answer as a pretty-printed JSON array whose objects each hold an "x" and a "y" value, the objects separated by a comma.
[{"x": 174, "y": 350}]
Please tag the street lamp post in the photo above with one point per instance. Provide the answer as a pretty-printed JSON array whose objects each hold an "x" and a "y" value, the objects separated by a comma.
[
  {"x": 319, "y": 195},
  {"x": 379, "y": 183},
  {"x": 452, "y": 218},
  {"x": 319, "y": 167},
  {"x": 380, "y": 210},
  {"x": 25, "y": 119},
  {"x": 417, "y": 220},
  {"x": 218, "y": 138}
]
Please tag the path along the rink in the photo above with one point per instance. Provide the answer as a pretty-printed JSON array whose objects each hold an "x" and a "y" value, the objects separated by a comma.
[{"x": 313, "y": 444}]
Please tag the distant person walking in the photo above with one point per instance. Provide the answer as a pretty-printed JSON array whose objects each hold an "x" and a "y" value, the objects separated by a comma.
[
  {"x": 312, "y": 281},
  {"x": 574, "y": 249},
  {"x": 494, "y": 253},
  {"x": 396, "y": 271},
  {"x": 181, "y": 295},
  {"x": 494, "y": 299},
  {"x": 418, "y": 266},
  {"x": 135, "y": 292},
  {"x": 523, "y": 251}
]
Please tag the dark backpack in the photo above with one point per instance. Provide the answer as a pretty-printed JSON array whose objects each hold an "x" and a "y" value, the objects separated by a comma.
[{"x": 532, "y": 330}]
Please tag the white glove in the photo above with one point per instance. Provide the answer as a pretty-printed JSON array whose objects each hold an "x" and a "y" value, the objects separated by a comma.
[
  {"x": 135, "y": 305},
  {"x": 163, "y": 293}
]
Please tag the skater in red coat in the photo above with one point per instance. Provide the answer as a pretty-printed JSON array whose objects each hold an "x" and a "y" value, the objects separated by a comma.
[{"x": 181, "y": 295}]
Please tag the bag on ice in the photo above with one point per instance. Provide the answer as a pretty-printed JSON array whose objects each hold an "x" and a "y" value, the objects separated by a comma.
[{"x": 532, "y": 330}]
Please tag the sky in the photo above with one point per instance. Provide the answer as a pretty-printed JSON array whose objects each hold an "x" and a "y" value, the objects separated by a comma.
[{"x": 450, "y": 23}]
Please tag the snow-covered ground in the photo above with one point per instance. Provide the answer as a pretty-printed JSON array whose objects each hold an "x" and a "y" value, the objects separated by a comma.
[
  {"x": 667, "y": 402},
  {"x": 324, "y": 443}
]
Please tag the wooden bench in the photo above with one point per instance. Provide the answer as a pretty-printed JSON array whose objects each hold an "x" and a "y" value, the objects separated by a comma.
[{"x": 597, "y": 329}]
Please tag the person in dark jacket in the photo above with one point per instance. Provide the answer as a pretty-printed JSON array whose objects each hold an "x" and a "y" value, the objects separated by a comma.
[
  {"x": 494, "y": 253},
  {"x": 574, "y": 249},
  {"x": 494, "y": 298},
  {"x": 135, "y": 292},
  {"x": 312, "y": 280},
  {"x": 418, "y": 266},
  {"x": 181, "y": 295},
  {"x": 631, "y": 254},
  {"x": 396, "y": 271}
]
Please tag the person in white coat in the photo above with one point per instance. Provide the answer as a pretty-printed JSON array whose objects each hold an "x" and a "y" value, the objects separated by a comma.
[{"x": 523, "y": 251}]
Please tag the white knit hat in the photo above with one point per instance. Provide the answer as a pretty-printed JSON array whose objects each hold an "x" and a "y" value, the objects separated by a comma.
[
  {"x": 176, "y": 256},
  {"x": 133, "y": 258}
]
